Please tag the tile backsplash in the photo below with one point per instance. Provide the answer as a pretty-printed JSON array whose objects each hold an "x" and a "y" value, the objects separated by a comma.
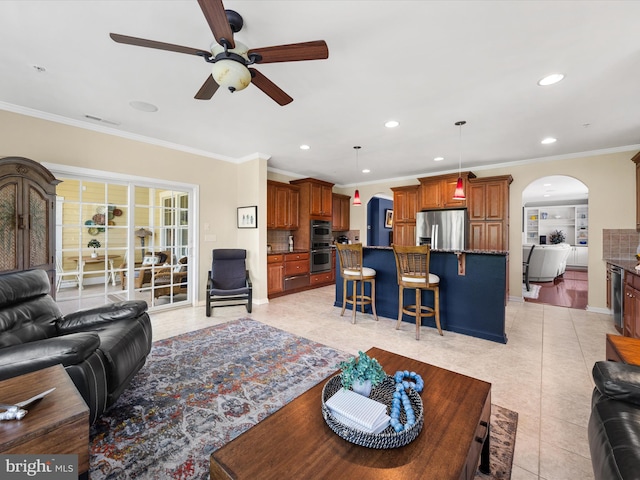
[{"x": 619, "y": 243}]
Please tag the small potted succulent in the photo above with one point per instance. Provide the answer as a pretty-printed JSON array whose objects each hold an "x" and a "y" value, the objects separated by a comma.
[
  {"x": 94, "y": 243},
  {"x": 361, "y": 374}
]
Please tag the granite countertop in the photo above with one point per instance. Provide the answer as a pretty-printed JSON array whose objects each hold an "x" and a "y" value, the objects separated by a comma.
[
  {"x": 282, "y": 252},
  {"x": 627, "y": 264},
  {"x": 477, "y": 252}
]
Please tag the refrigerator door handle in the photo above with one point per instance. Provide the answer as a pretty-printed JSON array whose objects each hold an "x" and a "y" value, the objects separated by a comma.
[{"x": 434, "y": 235}]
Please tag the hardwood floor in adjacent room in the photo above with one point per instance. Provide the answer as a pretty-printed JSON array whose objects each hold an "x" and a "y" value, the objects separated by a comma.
[{"x": 569, "y": 290}]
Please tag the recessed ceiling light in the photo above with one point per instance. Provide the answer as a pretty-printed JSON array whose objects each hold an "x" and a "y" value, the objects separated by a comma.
[
  {"x": 438, "y": 159},
  {"x": 546, "y": 185},
  {"x": 304, "y": 147},
  {"x": 366, "y": 170},
  {"x": 546, "y": 195},
  {"x": 548, "y": 140},
  {"x": 550, "y": 79},
  {"x": 143, "y": 106},
  {"x": 391, "y": 124}
]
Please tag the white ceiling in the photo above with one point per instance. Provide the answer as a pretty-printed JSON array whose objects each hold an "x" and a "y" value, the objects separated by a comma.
[{"x": 426, "y": 64}]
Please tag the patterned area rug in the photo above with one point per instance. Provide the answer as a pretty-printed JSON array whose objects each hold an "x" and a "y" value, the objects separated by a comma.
[{"x": 202, "y": 389}]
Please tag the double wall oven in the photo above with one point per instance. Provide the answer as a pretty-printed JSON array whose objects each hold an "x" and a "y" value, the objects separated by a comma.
[{"x": 320, "y": 246}]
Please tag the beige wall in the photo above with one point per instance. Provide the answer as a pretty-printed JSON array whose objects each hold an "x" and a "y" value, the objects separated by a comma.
[{"x": 55, "y": 143}]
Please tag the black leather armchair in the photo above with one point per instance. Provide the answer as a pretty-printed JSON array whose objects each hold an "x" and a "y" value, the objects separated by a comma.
[
  {"x": 101, "y": 349},
  {"x": 614, "y": 424},
  {"x": 229, "y": 282}
]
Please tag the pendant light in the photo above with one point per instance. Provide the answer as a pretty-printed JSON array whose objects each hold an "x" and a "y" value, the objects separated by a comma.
[
  {"x": 356, "y": 195},
  {"x": 459, "y": 193}
]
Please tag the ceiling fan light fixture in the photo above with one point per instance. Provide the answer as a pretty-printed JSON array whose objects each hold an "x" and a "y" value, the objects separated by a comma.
[{"x": 231, "y": 75}]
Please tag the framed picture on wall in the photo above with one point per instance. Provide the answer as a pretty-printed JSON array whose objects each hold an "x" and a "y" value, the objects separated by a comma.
[
  {"x": 248, "y": 217},
  {"x": 388, "y": 218}
]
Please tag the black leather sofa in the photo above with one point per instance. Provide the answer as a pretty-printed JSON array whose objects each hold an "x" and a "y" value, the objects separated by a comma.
[
  {"x": 101, "y": 349},
  {"x": 614, "y": 425}
]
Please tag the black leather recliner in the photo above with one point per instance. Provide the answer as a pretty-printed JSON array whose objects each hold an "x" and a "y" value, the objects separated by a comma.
[
  {"x": 101, "y": 348},
  {"x": 614, "y": 424}
]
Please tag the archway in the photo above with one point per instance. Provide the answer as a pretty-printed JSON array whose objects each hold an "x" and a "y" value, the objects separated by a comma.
[
  {"x": 555, "y": 223},
  {"x": 379, "y": 228}
]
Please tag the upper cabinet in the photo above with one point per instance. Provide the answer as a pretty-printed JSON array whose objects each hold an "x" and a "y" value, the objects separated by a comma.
[
  {"x": 636, "y": 160},
  {"x": 283, "y": 205},
  {"x": 488, "y": 210},
  {"x": 315, "y": 197},
  {"x": 405, "y": 207},
  {"x": 341, "y": 213},
  {"x": 27, "y": 216},
  {"x": 437, "y": 192}
]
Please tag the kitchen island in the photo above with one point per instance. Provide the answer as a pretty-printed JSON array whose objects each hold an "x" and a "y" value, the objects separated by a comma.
[{"x": 472, "y": 290}]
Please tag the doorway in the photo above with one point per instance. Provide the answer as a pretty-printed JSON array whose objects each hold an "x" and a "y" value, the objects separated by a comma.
[
  {"x": 380, "y": 220},
  {"x": 555, "y": 223}
]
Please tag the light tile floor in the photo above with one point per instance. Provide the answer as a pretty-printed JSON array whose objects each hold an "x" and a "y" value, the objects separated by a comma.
[{"x": 543, "y": 372}]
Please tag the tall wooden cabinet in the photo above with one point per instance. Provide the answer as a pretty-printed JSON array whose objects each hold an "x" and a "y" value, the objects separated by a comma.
[
  {"x": 316, "y": 203},
  {"x": 405, "y": 207},
  {"x": 341, "y": 212},
  {"x": 27, "y": 217},
  {"x": 283, "y": 202},
  {"x": 488, "y": 210}
]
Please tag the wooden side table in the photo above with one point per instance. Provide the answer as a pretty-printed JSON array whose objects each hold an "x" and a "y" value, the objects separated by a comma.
[
  {"x": 57, "y": 424},
  {"x": 623, "y": 349}
]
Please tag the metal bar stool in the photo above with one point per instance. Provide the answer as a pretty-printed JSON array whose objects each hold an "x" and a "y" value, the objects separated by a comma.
[
  {"x": 412, "y": 265},
  {"x": 352, "y": 270}
]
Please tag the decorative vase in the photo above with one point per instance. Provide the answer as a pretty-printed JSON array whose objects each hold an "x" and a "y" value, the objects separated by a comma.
[
  {"x": 94, "y": 254},
  {"x": 363, "y": 387}
]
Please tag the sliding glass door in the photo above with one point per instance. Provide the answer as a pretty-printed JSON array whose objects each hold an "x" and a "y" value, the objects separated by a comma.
[{"x": 119, "y": 240}]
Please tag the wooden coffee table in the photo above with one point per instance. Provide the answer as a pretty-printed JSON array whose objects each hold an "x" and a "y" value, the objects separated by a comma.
[
  {"x": 623, "y": 349},
  {"x": 295, "y": 442},
  {"x": 57, "y": 424}
]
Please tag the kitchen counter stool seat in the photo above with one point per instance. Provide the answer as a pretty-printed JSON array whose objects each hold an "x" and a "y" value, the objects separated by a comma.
[
  {"x": 412, "y": 265},
  {"x": 352, "y": 270}
]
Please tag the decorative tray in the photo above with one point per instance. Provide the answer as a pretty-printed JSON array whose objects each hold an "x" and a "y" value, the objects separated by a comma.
[{"x": 383, "y": 393}]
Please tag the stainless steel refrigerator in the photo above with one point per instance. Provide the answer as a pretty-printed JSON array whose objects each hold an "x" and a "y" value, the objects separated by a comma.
[{"x": 442, "y": 229}]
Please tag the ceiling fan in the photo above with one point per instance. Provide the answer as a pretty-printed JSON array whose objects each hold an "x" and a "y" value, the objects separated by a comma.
[{"x": 231, "y": 59}]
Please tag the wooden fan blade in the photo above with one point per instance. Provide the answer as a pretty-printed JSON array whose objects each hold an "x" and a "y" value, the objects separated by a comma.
[
  {"x": 294, "y": 52},
  {"x": 270, "y": 88},
  {"x": 217, "y": 19},
  {"x": 141, "y": 42},
  {"x": 207, "y": 89}
]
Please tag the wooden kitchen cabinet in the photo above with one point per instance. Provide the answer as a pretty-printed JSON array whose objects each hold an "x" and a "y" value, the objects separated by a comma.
[
  {"x": 316, "y": 197},
  {"x": 27, "y": 217},
  {"x": 282, "y": 206},
  {"x": 341, "y": 213},
  {"x": 488, "y": 210},
  {"x": 631, "y": 308},
  {"x": 437, "y": 192},
  {"x": 275, "y": 274},
  {"x": 405, "y": 207}
]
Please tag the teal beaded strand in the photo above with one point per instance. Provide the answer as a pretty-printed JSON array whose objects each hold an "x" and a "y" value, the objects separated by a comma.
[{"x": 400, "y": 398}]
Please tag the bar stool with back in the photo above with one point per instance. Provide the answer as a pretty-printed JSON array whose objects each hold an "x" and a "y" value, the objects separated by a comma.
[
  {"x": 352, "y": 270},
  {"x": 412, "y": 265}
]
